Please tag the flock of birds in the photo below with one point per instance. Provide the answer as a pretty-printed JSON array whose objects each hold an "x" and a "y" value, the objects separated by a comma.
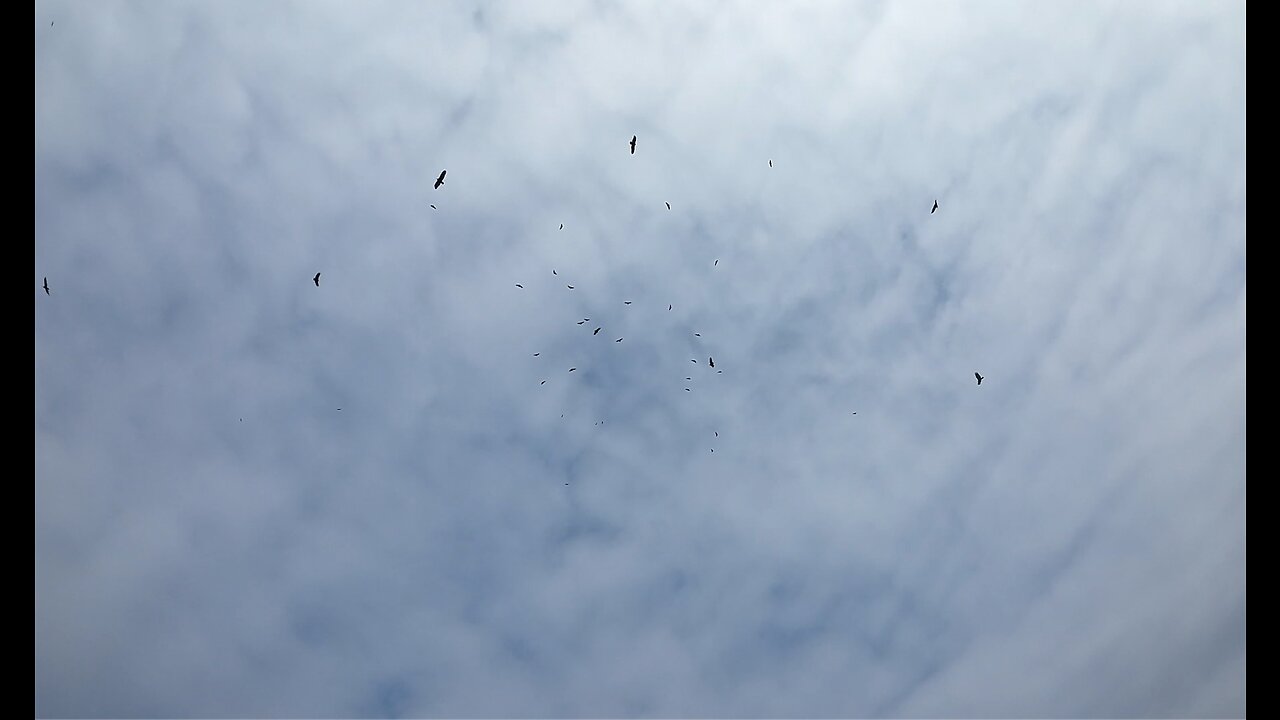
[{"x": 710, "y": 360}]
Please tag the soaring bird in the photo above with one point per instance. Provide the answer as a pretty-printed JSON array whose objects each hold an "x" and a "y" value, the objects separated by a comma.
[
  {"x": 572, "y": 369},
  {"x": 537, "y": 354},
  {"x": 519, "y": 286},
  {"x": 668, "y": 206},
  {"x": 317, "y": 279},
  {"x": 597, "y": 332},
  {"x": 770, "y": 163},
  {"x": 935, "y": 207},
  {"x": 693, "y": 360},
  {"x": 626, "y": 302},
  {"x": 633, "y": 144},
  {"x": 711, "y": 362},
  {"x": 618, "y": 340},
  {"x": 561, "y": 226},
  {"x": 553, "y": 272},
  {"x": 717, "y": 433},
  {"x": 581, "y": 321},
  {"x": 979, "y": 378},
  {"x": 717, "y": 262},
  {"x": 688, "y": 378},
  {"x": 569, "y": 286},
  {"x": 668, "y": 307},
  {"x": 46, "y": 285},
  {"x": 544, "y": 382},
  {"x": 433, "y": 207},
  {"x": 440, "y": 180},
  {"x": 697, "y": 334}
]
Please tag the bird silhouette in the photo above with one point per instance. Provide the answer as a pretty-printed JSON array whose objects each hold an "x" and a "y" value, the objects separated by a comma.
[
  {"x": 553, "y": 272},
  {"x": 317, "y": 279},
  {"x": 711, "y": 362},
  {"x": 519, "y": 286},
  {"x": 688, "y": 378},
  {"x": 581, "y": 321},
  {"x": 668, "y": 206},
  {"x": 697, "y": 334},
  {"x": 597, "y": 332},
  {"x": 626, "y": 302},
  {"x": 537, "y": 354},
  {"x": 618, "y": 340},
  {"x": 717, "y": 434},
  {"x": 770, "y": 163},
  {"x": 693, "y": 360},
  {"x": 433, "y": 207},
  {"x": 440, "y": 180},
  {"x": 572, "y": 369},
  {"x": 544, "y": 382},
  {"x": 569, "y": 286},
  {"x": 979, "y": 378},
  {"x": 633, "y": 144},
  {"x": 46, "y": 285},
  {"x": 717, "y": 262},
  {"x": 935, "y": 207},
  {"x": 668, "y": 307},
  {"x": 561, "y": 226}
]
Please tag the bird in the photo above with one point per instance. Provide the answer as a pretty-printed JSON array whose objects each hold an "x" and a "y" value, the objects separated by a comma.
[
  {"x": 581, "y": 321},
  {"x": 935, "y": 207},
  {"x": 697, "y": 334},
  {"x": 719, "y": 371},
  {"x": 519, "y": 286},
  {"x": 597, "y": 332},
  {"x": 317, "y": 279},
  {"x": 853, "y": 413},
  {"x": 717, "y": 262},
  {"x": 433, "y": 207},
  {"x": 770, "y": 163},
  {"x": 626, "y": 302},
  {"x": 339, "y": 409},
  {"x": 46, "y": 285},
  {"x": 711, "y": 362},
  {"x": 618, "y": 340},
  {"x": 717, "y": 433},
  {"x": 633, "y": 144},
  {"x": 569, "y": 286},
  {"x": 561, "y": 226},
  {"x": 553, "y": 272},
  {"x": 693, "y": 360},
  {"x": 713, "y": 449},
  {"x": 688, "y": 378},
  {"x": 586, "y": 319},
  {"x": 668, "y": 307},
  {"x": 544, "y": 382},
  {"x": 668, "y": 206},
  {"x": 440, "y": 180},
  {"x": 979, "y": 378},
  {"x": 572, "y": 369},
  {"x": 537, "y": 354},
  {"x": 687, "y": 390}
]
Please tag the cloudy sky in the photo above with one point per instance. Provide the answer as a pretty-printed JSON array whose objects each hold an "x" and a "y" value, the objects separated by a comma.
[{"x": 259, "y": 497}]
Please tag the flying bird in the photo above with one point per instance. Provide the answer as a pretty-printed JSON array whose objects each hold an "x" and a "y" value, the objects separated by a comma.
[
  {"x": 561, "y": 226},
  {"x": 935, "y": 207},
  {"x": 688, "y": 378},
  {"x": 626, "y": 302},
  {"x": 553, "y": 272},
  {"x": 979, "y": 378},
  {"x": 537, "y": 354},
  {"x": 668, "y": 206},
  {"x": 440, "y": 180},
  {"x": 46, "y": 285},
  {"x": 717, "y": 433},
  {"x": 618, "y": 340},
  {"x": 519, "y": 286},
  {"x": 597, "y": 332},
  {"x": 569, "y": 286},
  {"x": 697, "y": 334},
  {"x": 633, "y": 144},
  {"x": 317, "y": 279},
  {"x": 711, "y": 362},
  {"x": 719, "y": 371},
  {"x": 717, "y": 262},
  {"x": 770, "y": 163},
  {"x": 433, "y": 207},
  {"x": 572, "y": 369},
  {"x": 544, "y": 382},
  {"x": 581, "y": 321},
  {"x": 687, "y": 390},
  {"x": 693, "y": 360},
  {"x": 668, "y": 307}
]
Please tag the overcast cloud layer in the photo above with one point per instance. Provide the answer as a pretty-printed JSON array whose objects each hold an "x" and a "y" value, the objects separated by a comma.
[{"x": 260, "y": 497}]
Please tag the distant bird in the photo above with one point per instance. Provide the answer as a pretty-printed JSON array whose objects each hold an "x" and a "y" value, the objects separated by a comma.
[
  {"x": 46, "y": 285},
  {"x": 633, "y": 144},
  {"x": 770, "y": 163},
  {"x": 597, "y": 332},
  {"x": 668, "y": 206},
  {"x": 853, "y": 413},
  {"x": 717, "y": 434},
  {"x": 339, "y": 409},
  {"x": 713, "y": 449},
  {"x": 317, "y": 279},
  {"x": 711, "y": 362},
  {"x": 572, "y": 369},
  {"x": 719, "y": 371},
  {"x": 618, "y": 340},
  {"x": 537, "y": 354},
  {"x": 935, "y": 207},
  {"x": 553, "y": 272},
  {"x": 688, "y": 378},
  {"x": 693, "y": 360},
  {"x": 697, "y": 334},
  {"x": 586, "y": 319},
  {"x": 433, "y": 207},
  {"x": 581, "y": 321},
  {"x": 626, "y": 302},
  {"x": 561, "y": 226},
  {"x": 979, "y": 378},
  {"x": 668, "y": 307},
  {"x": 544, "y": 382},
  {"x": 569, "y": 286},
  {"x": 519, "y": 286},
  {"x": 440, "y": 180},
  {"x": 717, "y": 262},
  {"x": 687, "y": 390}
]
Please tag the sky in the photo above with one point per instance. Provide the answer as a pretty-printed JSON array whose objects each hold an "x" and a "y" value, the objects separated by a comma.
[{"x": 256, "y": 496}]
